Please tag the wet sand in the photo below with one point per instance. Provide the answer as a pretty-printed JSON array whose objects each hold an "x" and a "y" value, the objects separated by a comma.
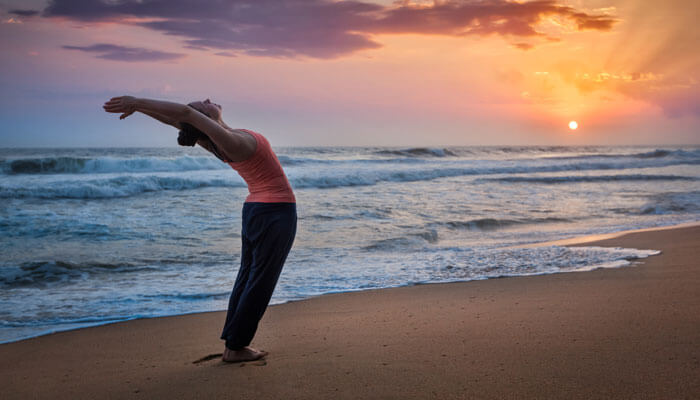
[{"x": 631, "y": 332}]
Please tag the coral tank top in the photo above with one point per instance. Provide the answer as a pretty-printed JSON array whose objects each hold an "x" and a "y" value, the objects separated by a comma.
[{"x": 263, "y": 173}]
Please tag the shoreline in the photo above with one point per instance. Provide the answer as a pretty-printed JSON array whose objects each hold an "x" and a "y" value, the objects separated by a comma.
[
  {"x": 573, "y": 241},
  {"x": 585, "y": 239},
  {"x": 607, "y": 333}
]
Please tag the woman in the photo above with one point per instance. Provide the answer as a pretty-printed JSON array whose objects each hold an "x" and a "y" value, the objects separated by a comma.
[{"x": 269, "y": 212}]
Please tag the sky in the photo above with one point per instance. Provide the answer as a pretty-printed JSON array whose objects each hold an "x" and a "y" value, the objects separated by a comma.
[{"x": 366, "y": 73}]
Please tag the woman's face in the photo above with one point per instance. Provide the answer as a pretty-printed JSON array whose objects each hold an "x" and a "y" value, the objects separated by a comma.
[{"x": 212, "y": 110}]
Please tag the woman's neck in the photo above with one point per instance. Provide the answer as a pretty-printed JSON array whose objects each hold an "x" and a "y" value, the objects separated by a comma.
[{"x": 222, "y": 123}]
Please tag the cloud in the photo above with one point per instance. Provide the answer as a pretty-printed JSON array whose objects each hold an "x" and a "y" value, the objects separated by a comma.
[
  {"x": 128, "y": 54},
  {"x": 24, "y": 13},
  {"x": 596, "y": 22},
  {"x": 501, "y": 17},
  {"x": 305, "y": 37},
  {"x": 523, "y": 46},
  {"x": 321, "y": 28},
  {"x": 680, "y": 104},
  {"x": 676, "y": 95}
]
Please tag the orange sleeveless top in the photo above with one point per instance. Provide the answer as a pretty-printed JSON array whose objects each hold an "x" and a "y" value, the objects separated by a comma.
[{"x": 263, "y": 173}]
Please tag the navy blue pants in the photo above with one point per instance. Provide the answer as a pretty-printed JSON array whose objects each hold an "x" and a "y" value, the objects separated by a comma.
[{"x": 267, "y": 236}]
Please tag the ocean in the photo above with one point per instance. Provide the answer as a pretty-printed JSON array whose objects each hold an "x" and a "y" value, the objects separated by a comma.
[{"x": 92, "y": 236}]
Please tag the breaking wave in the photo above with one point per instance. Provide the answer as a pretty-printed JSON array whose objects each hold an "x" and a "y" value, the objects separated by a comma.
[
  {"x": 418, "y": 152},
  {"x": 44, "y": 273},
  {"x": 84, "y": 165},
  {"x": 123, "y": 186},
  {"x": 494, "y": 223}
]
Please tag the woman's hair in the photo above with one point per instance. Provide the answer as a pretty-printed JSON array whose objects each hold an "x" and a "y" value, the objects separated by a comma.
[{"x": 189, "y": 135}]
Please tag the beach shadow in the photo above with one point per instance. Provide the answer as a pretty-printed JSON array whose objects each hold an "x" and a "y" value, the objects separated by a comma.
[
  {"x": 215, "y": 356},
  {"x": 208, "y": 358}
]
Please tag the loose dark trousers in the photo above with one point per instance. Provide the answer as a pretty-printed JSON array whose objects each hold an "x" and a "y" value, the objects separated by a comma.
[{"x": 267, "y": 236}]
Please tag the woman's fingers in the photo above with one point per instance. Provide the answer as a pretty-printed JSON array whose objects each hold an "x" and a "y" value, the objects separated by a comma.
[
  {"x": 121, "y": 104},
  {"x": 115, "y": 109},
  {"x": 114, "y": 103},
  {"x": 117, "y": 101}
]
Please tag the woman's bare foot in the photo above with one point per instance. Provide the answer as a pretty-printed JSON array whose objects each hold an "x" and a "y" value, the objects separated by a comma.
[{"x": 244, "y": 354}]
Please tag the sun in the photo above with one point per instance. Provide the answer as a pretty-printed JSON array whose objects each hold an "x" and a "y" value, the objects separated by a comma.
[{"x": 573, "y": 125}]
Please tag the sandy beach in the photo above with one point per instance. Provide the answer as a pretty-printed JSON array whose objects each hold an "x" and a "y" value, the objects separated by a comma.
[{"x": 629, "y": 332}]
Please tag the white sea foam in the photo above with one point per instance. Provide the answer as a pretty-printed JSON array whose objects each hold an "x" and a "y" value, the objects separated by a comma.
[{"x": 36, "y": 288}]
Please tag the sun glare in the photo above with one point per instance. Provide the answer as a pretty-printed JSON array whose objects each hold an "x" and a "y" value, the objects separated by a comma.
[{"x": 573, "y": 125}]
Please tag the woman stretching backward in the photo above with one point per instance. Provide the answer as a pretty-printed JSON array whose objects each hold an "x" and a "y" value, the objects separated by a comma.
[{"x": 269, "y": 212}]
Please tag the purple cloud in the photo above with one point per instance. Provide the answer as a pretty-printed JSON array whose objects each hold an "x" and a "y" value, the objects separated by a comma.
[
  {"x": 225, "y": 54},
  {"x": 682, "y": 104},
  {"x": 128, "y": 54},
  {"x": 320, "y": 28},
  {"x": 24, "y": 13}
]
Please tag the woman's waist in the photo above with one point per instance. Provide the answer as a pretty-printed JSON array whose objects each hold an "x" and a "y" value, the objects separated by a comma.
[
  {"x": 272, "y": 185},
  {"x": 270, "y": 195}
]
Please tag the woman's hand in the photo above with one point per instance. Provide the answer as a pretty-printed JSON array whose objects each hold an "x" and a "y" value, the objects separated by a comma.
[{"x": 123, "y": 104}]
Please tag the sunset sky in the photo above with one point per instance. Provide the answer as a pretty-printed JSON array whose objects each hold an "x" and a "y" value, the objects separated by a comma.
[{"x": 320, "y": 72}]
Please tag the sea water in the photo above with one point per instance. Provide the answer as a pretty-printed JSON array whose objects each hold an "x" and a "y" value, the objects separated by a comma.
[{"x": 90, "y": 236}]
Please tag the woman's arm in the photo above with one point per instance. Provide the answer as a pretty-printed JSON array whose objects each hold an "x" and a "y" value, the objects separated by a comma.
[
  {"x": 163, "y": 119},
  {"x": 128, "y": 105},
  {"x": 235, "y": 146},
  {"x": 155, "y": 116}
]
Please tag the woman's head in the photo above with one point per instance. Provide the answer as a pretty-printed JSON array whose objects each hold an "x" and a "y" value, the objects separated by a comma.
[
  {"x": 189, "y": 135},
  {"x": 206, "y": 107}
]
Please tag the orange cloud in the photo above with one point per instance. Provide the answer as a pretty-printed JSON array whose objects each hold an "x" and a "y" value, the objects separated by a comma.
[
  {"x": 595, "y": 22},
  {"x": 523, "y": 46}
]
